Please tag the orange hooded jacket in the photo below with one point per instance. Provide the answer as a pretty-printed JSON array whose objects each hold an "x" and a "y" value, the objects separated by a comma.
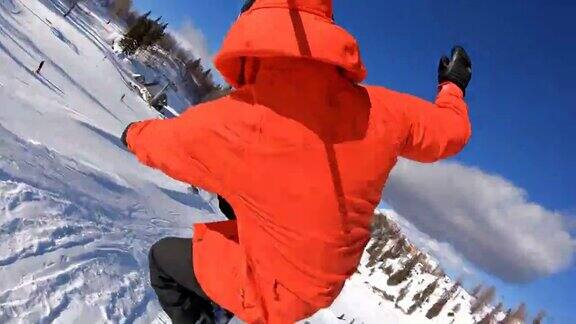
[{"x": 301, "y": 152}]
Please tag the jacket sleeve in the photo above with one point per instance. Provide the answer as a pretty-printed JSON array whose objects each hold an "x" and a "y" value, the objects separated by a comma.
[
  {"x": 190, "y": 148},
  {"x": 435, "y": 130}
]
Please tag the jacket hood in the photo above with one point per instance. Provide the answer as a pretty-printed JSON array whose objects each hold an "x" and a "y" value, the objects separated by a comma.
[{"x": 289, "y": 28}]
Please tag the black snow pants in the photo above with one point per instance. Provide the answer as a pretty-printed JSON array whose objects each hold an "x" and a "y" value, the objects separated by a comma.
[{"x": 172, "y": 277}]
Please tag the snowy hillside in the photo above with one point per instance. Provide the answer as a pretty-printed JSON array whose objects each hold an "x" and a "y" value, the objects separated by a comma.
[{"x": 78, "y": 213}]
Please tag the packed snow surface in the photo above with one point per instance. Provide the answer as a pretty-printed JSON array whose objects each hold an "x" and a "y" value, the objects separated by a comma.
[{"x": 78, "y": 213}]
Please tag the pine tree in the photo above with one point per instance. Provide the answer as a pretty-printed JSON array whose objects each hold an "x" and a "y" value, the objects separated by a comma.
[
  {"x": 476, "y": 291},
  {"x": 438, "y": 272},
  {"x": 516, "y": 317},
  {"x": 374, "y": 251},
  {"x": 143, "y": 34},
  {"x": 484, "y": 298},
  {"x": 421, "y": 297},
  {"x": 446, "y": 296},
  {"x": 396, "y": 250},
  {"x": 403, "y": 292},
  {"x": 404, "y": 273},
  {"x": 154, "y": 34},
  {"x": 539, "y": 318},
  {"x": 168, "y": 43},
  {"x": 491, "y": 316},
  {"x": 133, "y": 38}
]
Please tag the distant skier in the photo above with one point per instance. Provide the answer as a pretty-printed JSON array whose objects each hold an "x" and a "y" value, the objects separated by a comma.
[
  {"x": 301, "y": 151},
  {"x": 39, "y": 69}
]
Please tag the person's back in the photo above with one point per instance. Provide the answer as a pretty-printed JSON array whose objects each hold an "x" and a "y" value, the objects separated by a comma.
[
  {"x": 316, "y": 152},
  {"x": 321, "y": 153},
  {"x": 301, "y": 152}
]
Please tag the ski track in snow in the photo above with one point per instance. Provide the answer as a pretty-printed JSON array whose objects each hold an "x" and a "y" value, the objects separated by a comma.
[{"x": 55, "y": 251}]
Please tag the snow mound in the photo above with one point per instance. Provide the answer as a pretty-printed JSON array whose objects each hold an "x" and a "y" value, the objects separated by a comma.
[
  {"x": 65, "y": 252},
  {"x": 81, "y": 268}
]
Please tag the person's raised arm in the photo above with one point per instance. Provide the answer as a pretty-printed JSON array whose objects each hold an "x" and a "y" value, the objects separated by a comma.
[
  {"x": 190, "y": 148},
  {"x": 441, "y": 129}
]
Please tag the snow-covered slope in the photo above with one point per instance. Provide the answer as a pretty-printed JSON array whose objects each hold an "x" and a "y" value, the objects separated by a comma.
[{"x": 78, "y": 213}]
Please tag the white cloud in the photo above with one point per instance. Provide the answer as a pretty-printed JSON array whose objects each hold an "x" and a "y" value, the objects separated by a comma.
[
  {"x": 193, "y": 39},
  {"x": 483, "y": 217}
]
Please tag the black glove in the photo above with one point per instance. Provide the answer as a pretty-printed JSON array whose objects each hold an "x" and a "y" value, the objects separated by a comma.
[
  {"x": 247, "y": 5},
  {"x": 125, "y": 134},
  {"x": 458, "y": 69}
]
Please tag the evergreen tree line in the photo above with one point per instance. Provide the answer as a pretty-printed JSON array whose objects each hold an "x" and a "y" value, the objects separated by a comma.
[
  {"x": 389, "y": 244},
  {"x": 145, "y": 33}
]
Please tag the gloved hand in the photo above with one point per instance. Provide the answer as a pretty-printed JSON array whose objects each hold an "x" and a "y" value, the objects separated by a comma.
[
  {"x": 457, "y": 69},
  {"x": 125, "y": 134},
  {"x": 247, "y": 5}
]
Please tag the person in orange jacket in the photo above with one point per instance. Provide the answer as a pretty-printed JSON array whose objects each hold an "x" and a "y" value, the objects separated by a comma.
[{"x": 301, "y": 151}]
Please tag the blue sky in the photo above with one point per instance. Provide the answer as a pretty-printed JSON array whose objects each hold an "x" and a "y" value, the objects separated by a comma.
[{"x": 522, "y": 101}]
